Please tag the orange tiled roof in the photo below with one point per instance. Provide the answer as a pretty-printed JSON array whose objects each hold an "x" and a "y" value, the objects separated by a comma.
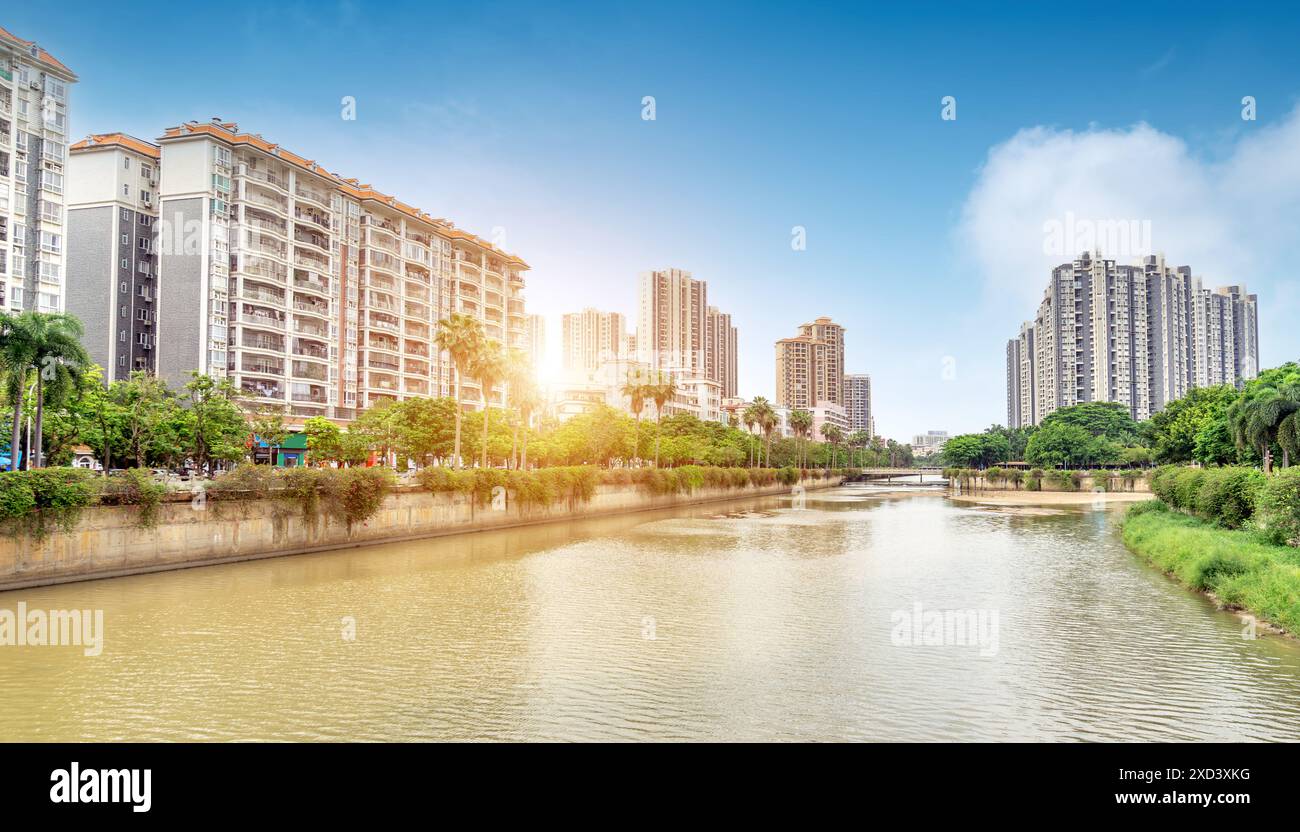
[
  {"x": 98, "y": 140},
  {"x": 42, "y": 55},
  {"x": 228, "y": 131}
]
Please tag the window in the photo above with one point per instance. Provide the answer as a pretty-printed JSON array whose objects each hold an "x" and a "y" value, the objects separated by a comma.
[
  {"x": 51, "y": 272},
  {"x": 121, "y": 310},
  {"x": 126, "y": 190},
  {"x": 122, "y": 288},
  {"x": 121, "y": 336},
  {"x": 126, "y": 239},
  {"x": 222, "y": 156},
  {"x": 126, "y": 163},
  {"x": 51, "y": 181},
  {"x": 146, "y": 171},
  {"x": 126, "y": 214},
  {"x": 53, "y": 243},
  {"x": 125, "y": 264}
]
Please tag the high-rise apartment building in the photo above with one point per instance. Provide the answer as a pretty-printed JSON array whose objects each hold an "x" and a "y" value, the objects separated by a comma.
[
  {"x": 1139, "y": 335},
  {"x": 1021, "y": 393},
  {"x": 535, "y": 330},
  {"x": 112, "y": 264},
  {"x": 810, "y": 366},
  {"x": 313, "y": 293},
  {"x": 721, "y": 353},
  {"x": 672, "y": 321},
  {"x": 591, "y": 338},
  {"x": 34, "y": 89},
  {"x": 857, "y": 403}
]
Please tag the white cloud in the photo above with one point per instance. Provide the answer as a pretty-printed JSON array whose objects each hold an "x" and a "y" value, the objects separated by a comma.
[{"x": 1232, "y": 218}]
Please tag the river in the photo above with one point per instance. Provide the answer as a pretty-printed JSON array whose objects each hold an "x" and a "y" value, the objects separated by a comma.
[{"x": 747, "y": 620}]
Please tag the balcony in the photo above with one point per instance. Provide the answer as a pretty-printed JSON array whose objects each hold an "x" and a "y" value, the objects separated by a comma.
[
  {"x": 306, "y": 369},
  {"x": 262, "y": 177},
  {"x": 263, "y": 244},
  {"x": 414, "y": 386},
  {"x": 266, "y": 201},
  {"x": 304, "y": 213},
  {"x": 261, "y": 389},
  {"x": 311, "y": 282},
  {"x": 264, "y": 222},
  {"x": 381, "y": 320},
  {"x": 268, "y": 319},
  {"x": 310, "y": 349},
  {"x": 262, "y": 294},
  {"x": 375, "y": 300},
  {"x": 376, "y": 221},
  {"x": 416, "y": 310},
  {"x": 379, "y": 260},
  {"x": 417, "y": 349},
  {"x": 319, "y": 197},
  {"x": 262, "y": 341},
  {"x": 312, "y": 393},
  {"x": 261, "y": 365},
  {"x": 303, "y": 303},
  {"x": 383, "y": 381},
  {"x": 417, "y": 330},
  {"x": 416, "y": 368},
  {"x": 310, "y": 327},
  {"x": 306, "y": 237},
  {"x": 311, "y": 260},
  {"x": 260, "y": 267},
  {"x": 379, "y": 281},
  {"x": 382, "y": 362}
]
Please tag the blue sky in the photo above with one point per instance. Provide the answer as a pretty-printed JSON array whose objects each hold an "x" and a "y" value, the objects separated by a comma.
[{"x": 527, "y": 118}]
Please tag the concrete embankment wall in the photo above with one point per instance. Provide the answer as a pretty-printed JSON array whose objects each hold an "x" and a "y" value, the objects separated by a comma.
[
  {"x": 108, "y": 541},
  {"x": 1139, "y": 486}
]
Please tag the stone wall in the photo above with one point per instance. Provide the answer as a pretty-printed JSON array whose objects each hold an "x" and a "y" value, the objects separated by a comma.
[{"x": 108, "y": 541}]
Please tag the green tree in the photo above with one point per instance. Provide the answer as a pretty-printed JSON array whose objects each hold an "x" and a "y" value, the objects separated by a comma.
[
  {"x": 461, "y": 337},
  {"x": 489, "y": 368},
  {"x": 324, "y": 440},
  {"x": 215, "y": 428},
  {"x": 47, "y": 347}
]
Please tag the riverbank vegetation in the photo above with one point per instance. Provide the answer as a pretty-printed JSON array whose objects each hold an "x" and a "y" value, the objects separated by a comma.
[
  {"x": 1034, "y": 479},
  {"x": 1211, "y": 426},
  {"x": 1242, "y": 568}
]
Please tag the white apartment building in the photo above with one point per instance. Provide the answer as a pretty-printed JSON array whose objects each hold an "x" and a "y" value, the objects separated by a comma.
[
  {"x": 857, "y": 403},
  {"x": 672, "y": 321},
  {"x": 1139, "y": 335},
  {"x": 34, "y": 89},
  {"x": 591, "y": 338},
  {"x": 313, "y": 293},
  {"x": 112, "y": 284}
]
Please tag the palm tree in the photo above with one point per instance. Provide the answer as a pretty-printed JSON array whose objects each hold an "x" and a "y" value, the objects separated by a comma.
[
  {"x": 461, "y": 337},
  {"x": 661, "y": 393},
  {"x": 529, "y": 402},
  {"x": 519, "y": 377},
  {"x": 489, "y": 369},
  {"x": 636, "y": 388},
  {"x": 1259, "y": 416},
  {"x": 801, "y": 422},
  {"x": 50, "y": 345},
  {"x": 832, "y": 434},
  {"x": 750, "y": 417},
  {"x": 857, "y": 439},
  {"x": 765, "y": 416}
]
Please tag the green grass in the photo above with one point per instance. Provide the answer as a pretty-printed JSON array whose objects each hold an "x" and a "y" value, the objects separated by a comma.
[{"x": 1241, "y": 568}]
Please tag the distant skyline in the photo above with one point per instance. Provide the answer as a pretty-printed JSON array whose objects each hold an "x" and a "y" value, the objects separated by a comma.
[{"x": 925, "y": 237}]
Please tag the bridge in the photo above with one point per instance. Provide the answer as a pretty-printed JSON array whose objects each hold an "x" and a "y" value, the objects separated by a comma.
[{"x": 888, "y": 474}]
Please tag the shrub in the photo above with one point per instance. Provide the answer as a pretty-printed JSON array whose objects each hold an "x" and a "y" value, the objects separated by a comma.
[
  {"x": 16, "y": 498},
  {"x": 136, "y": 487},
  {"x": 1033, "y": 479},
  {"x": 787, "y": 476},
  {"x": 1100, "y": 480},
  {"x": 1064, "y": 480},
  {"x": 1162, "y": 483},
  {"x": 1278, "y": 507},
  {"x": 355, "y": 494},
  {"x": 1187, "y": 484},
  {"x": 1227, "y": 495}
]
